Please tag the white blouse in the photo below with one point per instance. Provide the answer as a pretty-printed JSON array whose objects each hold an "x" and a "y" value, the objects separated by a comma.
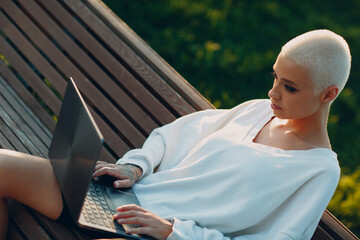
[{"x": 214, "y": 182}]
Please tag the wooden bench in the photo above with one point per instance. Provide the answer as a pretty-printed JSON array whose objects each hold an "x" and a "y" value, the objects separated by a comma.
[{"x": 129, "y": 89}]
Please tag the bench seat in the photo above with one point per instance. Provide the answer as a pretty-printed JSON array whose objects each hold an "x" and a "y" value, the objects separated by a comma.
[{"x": 129, "y": 89}]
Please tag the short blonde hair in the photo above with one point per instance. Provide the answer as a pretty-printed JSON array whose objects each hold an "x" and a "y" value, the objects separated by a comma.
[{"x": 325, "y": 54}]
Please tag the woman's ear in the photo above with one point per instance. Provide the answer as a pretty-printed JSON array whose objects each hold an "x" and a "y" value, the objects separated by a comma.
[{"x": 330, "y": 94}]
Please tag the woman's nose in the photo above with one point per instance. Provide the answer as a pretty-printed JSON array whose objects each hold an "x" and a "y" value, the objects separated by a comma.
[{"x": 274, "y": 93}]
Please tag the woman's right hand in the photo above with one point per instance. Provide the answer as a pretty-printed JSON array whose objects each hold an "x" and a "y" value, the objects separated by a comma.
[{"x": 126, "y": 174}]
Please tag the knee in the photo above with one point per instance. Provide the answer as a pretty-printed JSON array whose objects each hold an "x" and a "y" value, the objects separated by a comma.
[
  {"x": 5, "y": 152},
  {"x": 5, "y": 156},
  {"x": 3, "y": 160}
]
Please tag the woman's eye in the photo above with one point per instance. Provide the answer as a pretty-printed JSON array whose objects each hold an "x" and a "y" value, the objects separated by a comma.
[
  {"x": 287, "y": 87},
  {"x": 290, "y": 89},
  {"x": 273, "y": 74}
]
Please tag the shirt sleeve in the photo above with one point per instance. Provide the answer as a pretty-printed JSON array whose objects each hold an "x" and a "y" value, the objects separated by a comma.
[
  {"x": 304, "y": 209},
  {"x": 167, "y": 145},
  {"x": 149, "y": 156}
]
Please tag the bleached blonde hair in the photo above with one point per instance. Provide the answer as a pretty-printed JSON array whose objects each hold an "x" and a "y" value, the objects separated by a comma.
[{"x": 325, "y": 54}]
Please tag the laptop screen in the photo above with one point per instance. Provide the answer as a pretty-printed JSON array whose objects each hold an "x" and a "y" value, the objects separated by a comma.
[{"x": 74, "y": 149}]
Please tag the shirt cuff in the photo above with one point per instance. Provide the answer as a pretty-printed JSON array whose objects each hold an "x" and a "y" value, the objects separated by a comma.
[
  {"x": 135, "y": 161},
  {"x": 180, "y": 229}
]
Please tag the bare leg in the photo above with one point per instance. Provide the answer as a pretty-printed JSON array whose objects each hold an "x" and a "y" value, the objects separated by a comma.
[{"x": 29, "y": 180}]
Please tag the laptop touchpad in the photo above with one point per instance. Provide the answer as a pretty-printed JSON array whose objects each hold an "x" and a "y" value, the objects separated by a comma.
[{"x": 122, "y": 196}]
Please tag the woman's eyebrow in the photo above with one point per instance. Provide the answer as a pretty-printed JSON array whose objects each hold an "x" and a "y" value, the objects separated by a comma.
[{"x": 286, "y": 80}]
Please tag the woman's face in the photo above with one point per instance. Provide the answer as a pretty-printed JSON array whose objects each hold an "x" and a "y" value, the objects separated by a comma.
[{"x": 292, "y": 94}]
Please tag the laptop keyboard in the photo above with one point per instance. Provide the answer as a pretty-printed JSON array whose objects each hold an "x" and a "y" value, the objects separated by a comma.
[{"x": 95, "y": 208}]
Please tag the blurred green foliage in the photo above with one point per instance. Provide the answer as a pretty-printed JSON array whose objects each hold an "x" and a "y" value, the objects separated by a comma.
[
  {"x": 226, "y": 50},
  {"x": 344, "y": 202}
]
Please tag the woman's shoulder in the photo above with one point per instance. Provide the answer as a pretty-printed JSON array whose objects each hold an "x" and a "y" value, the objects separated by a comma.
[{"x": 325, "y": 159}]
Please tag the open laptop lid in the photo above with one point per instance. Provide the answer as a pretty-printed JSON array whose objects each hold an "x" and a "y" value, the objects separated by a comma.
[{"x": 74, "y": 149}]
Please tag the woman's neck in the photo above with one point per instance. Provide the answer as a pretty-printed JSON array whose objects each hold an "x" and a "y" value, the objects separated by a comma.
[{"x": 312, "y": 129}]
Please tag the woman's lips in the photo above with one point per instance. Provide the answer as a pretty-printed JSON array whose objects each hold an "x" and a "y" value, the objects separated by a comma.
[{"x": 275, "y": 107}]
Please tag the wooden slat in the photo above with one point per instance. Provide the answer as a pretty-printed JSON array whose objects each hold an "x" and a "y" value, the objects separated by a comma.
[
  {"x": 132, "y": 40},
  {"x": 21, "y": 66},
  {"x": 106, "y": 156},
  {"x": 18, "y": 120},
  {"x": 88, "y": 90},
  {"x": 16, "y": 129},
  {"x": 23, "y": 116},
  {"x": 19, "y": 133},
  {"x": 111, "y": 138},
  {"x": 119, "y": 72},
  {"x": 87, "y": 65},
  {"x": 321, "y": 234},
  {"x": 21, "y": 129},
  {"x": 124, "y": 126},
  {"x": 14, "y": 233},
  {"x": 27, "y": 48},
  {"x": 25, "y": 222},
  {"x": 131, "y": 59},
  {"x": 54, "y": 229},
  {"x": 31, "y": 102},
  {"x": 4, "y": 142},
  {"x": 335, "y": 228},
  {"x": 119, "y": 146},
  {"x": 11, "y": 137}
]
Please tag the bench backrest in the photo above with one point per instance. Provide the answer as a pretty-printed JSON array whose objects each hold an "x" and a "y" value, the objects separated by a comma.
[
  {"x": 49, "y": 41},
  {"x": 129, "y": 89}
]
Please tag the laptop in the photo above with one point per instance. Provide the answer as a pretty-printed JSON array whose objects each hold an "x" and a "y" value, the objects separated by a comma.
[{"x": 74, "y": 150}]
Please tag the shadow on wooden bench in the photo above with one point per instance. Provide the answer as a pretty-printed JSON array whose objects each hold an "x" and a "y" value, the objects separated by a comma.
[{"x": 129, "y": 89}]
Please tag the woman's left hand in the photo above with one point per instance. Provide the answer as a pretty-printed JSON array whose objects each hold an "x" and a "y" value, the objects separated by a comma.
[{"x": 149, "y": 223}]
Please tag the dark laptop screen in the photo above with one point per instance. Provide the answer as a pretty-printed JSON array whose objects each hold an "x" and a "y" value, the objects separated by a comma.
[{"x": 74, "y": 149}]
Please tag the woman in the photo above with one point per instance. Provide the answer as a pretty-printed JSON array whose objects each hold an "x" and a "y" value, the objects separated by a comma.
[{"x": 262, "y": 170}]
